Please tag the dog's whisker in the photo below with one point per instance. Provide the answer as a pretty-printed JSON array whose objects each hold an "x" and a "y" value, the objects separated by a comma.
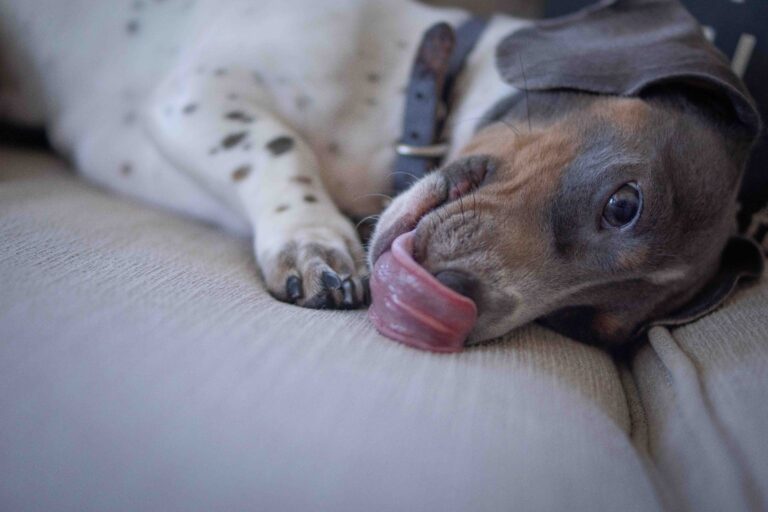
[
  {"x": 409, "y": 174},
  {"x": 510, "y": 126},
  {"x": 375, "y": 216},
  {"x": 385, "y": 196},
  {"x": 525, "y": 87}
]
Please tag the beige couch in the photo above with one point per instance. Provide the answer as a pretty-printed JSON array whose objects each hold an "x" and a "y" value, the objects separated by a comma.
[{"x": 143, "y": 367}]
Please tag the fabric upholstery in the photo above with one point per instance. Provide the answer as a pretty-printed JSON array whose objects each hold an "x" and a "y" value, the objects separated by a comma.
[
  {"x": 143, "y": 367},
  {"x": 704, "y": 389}
]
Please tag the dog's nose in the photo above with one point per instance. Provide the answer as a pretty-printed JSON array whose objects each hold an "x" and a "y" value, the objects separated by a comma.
[
  {"x": 458, "y": 281},
  {"x": 467, "y": 174}
]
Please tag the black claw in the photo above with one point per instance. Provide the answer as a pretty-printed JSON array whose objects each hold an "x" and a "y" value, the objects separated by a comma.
[
  {"x": 350, "y": 299},
  {"x": 366, "y": 290},
  {"x": 331, "y": 280},
  {"x": 293, "y": 288}
]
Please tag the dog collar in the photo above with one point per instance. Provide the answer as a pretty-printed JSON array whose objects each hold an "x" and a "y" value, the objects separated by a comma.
[{"x": 439, "y": 60}]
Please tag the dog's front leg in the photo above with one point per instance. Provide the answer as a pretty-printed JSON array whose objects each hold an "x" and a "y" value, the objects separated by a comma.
[{"x": 220, "y": 131}]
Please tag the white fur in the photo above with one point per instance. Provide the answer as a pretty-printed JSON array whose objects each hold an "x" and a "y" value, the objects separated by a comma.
[{"x": 112, "y": 80}]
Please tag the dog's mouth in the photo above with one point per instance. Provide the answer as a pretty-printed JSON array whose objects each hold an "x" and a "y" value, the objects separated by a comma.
[
  {"x": 414, "y": 307},
  {"x": 409, "y": 304}
]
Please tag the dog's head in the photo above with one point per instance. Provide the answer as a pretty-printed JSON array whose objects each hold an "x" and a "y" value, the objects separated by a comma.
[{"x": 608, "y": 190}]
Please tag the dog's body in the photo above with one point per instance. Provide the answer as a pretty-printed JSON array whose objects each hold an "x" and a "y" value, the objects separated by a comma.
[
  {"x": 177, "y": 102},
  {"x": 280, "y": 118},
  {"x": 331, "y": 73}
]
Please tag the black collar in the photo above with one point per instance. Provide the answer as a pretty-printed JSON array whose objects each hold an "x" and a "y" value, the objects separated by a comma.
[{"x": 439, "y": 59}]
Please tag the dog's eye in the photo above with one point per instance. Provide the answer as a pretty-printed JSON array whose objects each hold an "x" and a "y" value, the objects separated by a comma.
[{"x": 623, "y": 207}]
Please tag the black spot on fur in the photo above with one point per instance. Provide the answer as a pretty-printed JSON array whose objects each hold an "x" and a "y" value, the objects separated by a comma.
[
  {"x": 238, "y": 115},
  {"x": 190, "y": 108},
  {"x": 333, "y": 148},
  {"x": 280, "y": 145},
  {"x": 281, "y": 208},
  {"x": 373, "y": 77},
  {"x": 126, "y": 169},
  {"x": 241, "y": 172},
  {"x": 309, "y": 198},
  {"x": 233, "y": 139},
  {"x": 132, "y": 27}
]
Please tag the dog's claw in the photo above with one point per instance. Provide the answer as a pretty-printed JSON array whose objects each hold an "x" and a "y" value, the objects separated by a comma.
[
  {"x": 349, "y": 301},
  {"x": 293, "y": 288},
  {"x": 318, "y": 269},
  {"x": 365, "y": 281},
  {"x": 331, "y": 280}
]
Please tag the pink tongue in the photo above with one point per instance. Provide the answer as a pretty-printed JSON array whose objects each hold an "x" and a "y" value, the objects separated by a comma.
[{"x": 411, "y": 306}]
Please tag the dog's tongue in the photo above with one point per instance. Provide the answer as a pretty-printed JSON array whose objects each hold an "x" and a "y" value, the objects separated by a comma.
[{"x": 411, "y": 306}]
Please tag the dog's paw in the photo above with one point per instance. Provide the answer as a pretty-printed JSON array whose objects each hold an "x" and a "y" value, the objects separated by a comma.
[{"x": 318, "y": 268}]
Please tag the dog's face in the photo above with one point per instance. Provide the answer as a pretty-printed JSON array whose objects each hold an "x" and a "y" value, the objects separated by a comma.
[{"x": 615, "y": 202}]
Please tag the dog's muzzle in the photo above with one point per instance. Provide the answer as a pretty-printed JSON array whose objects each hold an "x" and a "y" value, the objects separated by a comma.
[{"x": 414, "y": 307}]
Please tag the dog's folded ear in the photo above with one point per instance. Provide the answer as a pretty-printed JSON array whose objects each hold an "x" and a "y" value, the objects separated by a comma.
[
  {"x": 626, "y": 48},
  {"x": 742, "y": 259}
]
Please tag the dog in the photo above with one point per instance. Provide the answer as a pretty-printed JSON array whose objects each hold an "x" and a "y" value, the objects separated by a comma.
[{"x": 593, "y": 161}]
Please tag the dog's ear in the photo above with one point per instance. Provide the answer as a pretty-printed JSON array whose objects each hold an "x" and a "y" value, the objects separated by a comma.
[
  {"x": 626, "y": 48},
  {"x": 742, "y": 260}
]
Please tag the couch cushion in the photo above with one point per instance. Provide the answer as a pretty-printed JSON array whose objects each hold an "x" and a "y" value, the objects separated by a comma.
[
  {"x": 704, "y": 390},
  {"x": 143, "y": 367}
]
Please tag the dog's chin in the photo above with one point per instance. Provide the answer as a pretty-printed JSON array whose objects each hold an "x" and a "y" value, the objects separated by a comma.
[{"x": 495, "y": 322}]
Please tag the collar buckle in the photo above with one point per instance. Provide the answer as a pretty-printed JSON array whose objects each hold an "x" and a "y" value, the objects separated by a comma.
[{"x": 430, "y": 151}]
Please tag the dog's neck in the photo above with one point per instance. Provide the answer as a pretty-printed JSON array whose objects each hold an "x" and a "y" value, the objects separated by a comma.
[{"x": 479, "y": 86}]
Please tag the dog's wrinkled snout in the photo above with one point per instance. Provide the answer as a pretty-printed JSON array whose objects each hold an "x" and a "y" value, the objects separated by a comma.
[
  {"x": 458, "y": 281},
  {"x": 467, "y": 174}
]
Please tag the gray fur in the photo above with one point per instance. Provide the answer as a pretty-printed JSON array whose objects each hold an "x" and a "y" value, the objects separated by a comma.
[{"x": 624, "y": 48}]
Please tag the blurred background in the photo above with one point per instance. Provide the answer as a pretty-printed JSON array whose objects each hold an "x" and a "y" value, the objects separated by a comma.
[{"x": 523, "y": 8}]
